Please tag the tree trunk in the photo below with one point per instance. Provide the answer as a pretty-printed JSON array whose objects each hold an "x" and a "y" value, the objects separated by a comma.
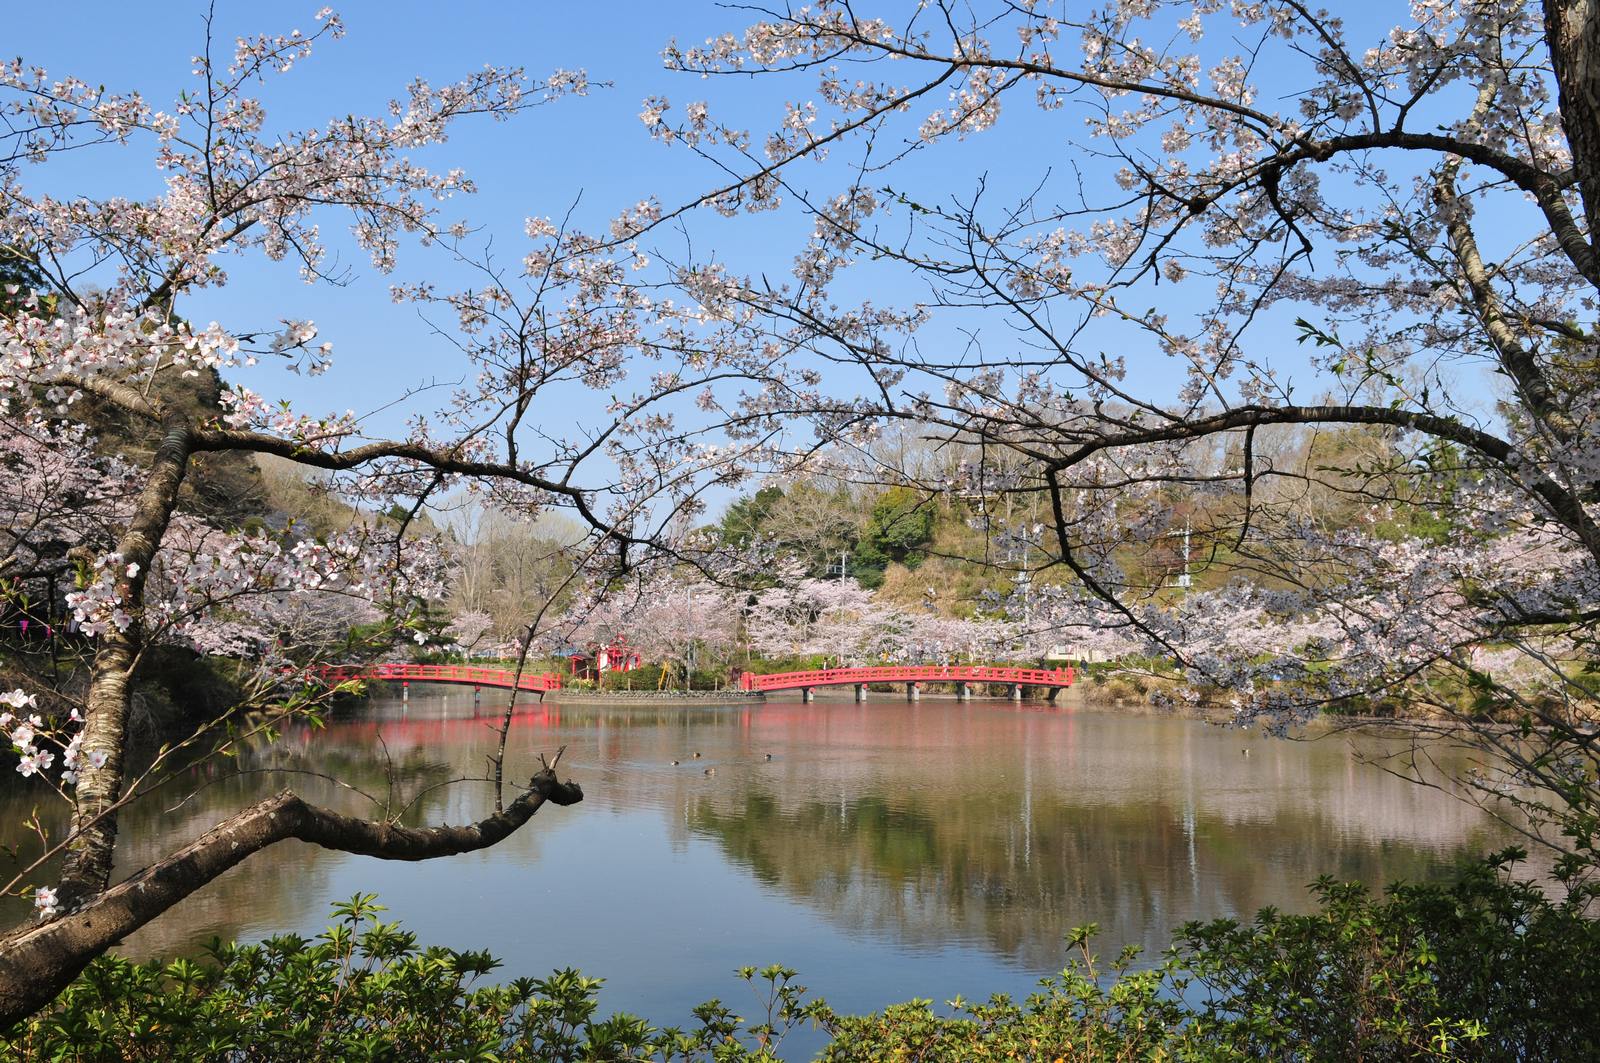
[
  {"x": 38, "y": 961},
  {"x": 1572, "y": 28},
  {"x": 90, "y": 848}
]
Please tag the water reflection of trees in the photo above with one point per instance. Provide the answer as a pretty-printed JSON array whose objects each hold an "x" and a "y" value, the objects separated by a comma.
[
  {"x": 1010, "y": 829},
  {"x": 928, "y": 870},
  {"x": 269, "y": 892},
  {"x": 990, "y": 825}
]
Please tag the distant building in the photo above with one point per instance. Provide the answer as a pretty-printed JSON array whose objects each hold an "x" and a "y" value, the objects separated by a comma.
[
  {"x": 1066, "y": 654},
  {"x": 594, "y": 660}
]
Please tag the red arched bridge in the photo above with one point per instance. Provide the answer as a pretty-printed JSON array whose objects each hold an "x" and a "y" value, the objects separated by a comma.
[
  {"x": 442, "y": 673},
  {"x": 964, "y": 677}
]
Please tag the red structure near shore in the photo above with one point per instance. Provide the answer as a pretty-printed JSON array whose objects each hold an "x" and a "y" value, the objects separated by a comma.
[
  {"x": 442, "y": 673},
  {"x": 963, "y": 676}
]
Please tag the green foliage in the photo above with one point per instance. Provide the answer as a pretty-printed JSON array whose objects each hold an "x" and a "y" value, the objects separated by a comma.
[
  {"x": 799, "y": 662},
  {"x": 901, "y": 524},
  {"x": 806, "y": 522},
  {"x": 1484, "y": 968},
  {"x": 814, "y": 526},
  {"x": 1076, "y": 1016},
  {"x": 648, "y": 677},
  {"x": 868, "y": 564},
  {"x": 21, "y": 272},
  {"x": 746, "y": 518},
  {"x": 1428, "y": 483},
  {"x": 363, "y": 990}
]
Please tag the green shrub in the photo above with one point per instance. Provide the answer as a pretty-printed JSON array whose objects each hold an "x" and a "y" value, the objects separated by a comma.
[
  {"x": 1484, "y": 968},
  {"x": 797, "y": 663},
  {"x": 362, "y": 990}
]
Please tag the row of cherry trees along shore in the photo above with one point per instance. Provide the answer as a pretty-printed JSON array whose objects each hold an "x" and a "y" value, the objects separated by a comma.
[
  {"x": 832, "y": 621},
  {"x": 1326, "y": 239}
]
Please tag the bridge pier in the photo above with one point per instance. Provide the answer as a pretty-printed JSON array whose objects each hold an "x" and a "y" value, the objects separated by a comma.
[
  {"x": 861, "y": 692},
  {"x": 477, "y": 696},
  {"x": 1016, "y": 691},
  {"x": 913, "y": 691},
  {"x": 963, "y": 691},
  {"x": 405, "y": 690},
  {"x": 1053, "y": 692},
  {"x": 808, "y": 694}
]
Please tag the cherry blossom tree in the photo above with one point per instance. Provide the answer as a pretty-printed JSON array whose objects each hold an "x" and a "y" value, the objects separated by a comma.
[
  {"x": 94, "y": 321},
  {"x": 836, "y": 619},
  {"x": 1314, "y": 222},
  {"x": 61, "y": 495},
  {"x": 1333, "y": 240},
  {"x": 468, "y": 630},
  {"x": 849, "y": 625},
  {"x": 664, "y": 613}
]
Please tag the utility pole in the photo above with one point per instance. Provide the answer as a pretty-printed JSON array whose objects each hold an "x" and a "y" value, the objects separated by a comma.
[
  {"x": 688, "y": 646},
  {"x": 1185, "y": 580}
]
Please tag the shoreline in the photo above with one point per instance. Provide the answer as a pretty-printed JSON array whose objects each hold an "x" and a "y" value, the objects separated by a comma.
[{"x": 1077, "y": 696}]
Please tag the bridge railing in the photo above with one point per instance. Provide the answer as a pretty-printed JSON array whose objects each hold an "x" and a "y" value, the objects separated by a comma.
[
  {"x": 547, "y": 681},
  {"x": 955, "y": 673},
  {"x": 441, "y": 673}
]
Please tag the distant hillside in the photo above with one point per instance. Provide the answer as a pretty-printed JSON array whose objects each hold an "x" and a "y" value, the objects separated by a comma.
[
  {"x": 953, "y": 548},
  {"x": 226, "y": 488},
  {"x": 287, "y": 491}
]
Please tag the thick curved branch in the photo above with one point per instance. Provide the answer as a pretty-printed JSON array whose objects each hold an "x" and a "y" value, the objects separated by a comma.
[
  {"x": 1562, "y": 504},
  {"x": 441, "y": 460},
  {"x": 87, "y": 868},
  {"x": 127, "y": 398},
  {"x": 37, "y": 962},
  {"x": 1577, "y": 29},
  {"x": 1544, "y": 187},
  {"x": 1518, "y": 362}
]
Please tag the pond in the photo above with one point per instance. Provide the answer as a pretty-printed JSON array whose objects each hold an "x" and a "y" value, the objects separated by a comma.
[{"x": 886, "y": 850}]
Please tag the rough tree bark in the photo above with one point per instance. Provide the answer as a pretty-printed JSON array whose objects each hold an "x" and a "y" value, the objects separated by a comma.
[
  {"x": 1573, "y": 30},
  {"x": 38, "y": 961},
  {"x": 87, "y": 868}
]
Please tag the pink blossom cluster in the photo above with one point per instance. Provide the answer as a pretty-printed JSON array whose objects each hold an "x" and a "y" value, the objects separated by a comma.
[
  {"x": 840, "y": 620},
  {"x": 30, "y": 737},
  {"x": 62, "y": 347}
]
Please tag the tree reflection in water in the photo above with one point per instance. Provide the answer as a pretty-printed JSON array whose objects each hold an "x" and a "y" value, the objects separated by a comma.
[{"x": 926, "y": 826}]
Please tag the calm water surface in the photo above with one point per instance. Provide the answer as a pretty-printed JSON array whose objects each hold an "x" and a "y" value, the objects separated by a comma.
[{"x": 887, "y": 850}]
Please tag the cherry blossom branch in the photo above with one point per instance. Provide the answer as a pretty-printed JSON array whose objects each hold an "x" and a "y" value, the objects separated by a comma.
[{"x": 41, "y": 959}]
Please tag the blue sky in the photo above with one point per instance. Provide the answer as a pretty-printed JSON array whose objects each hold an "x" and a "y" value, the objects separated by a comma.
[
  {"x": 592, "y": 151},
  {"x": 541, "y": 163}
]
